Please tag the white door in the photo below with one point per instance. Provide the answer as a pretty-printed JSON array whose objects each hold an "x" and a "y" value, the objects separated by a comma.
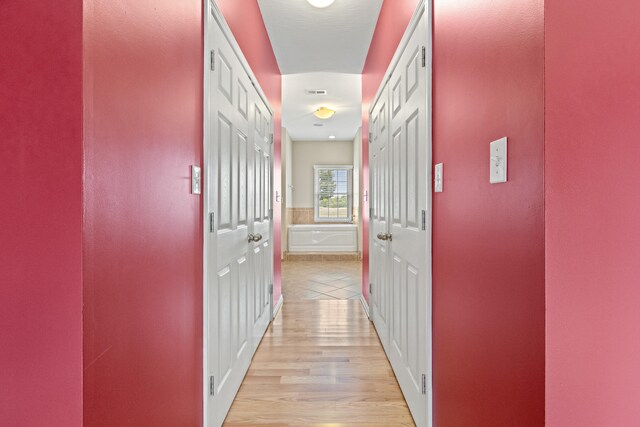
[
  {"x": 262, "y": 247},
  {"x": 410, "y": 244},
  {"x": 403, "y": 239},
  {"x": 237, "y": 266},
  {"x": 379, "y": 189}
]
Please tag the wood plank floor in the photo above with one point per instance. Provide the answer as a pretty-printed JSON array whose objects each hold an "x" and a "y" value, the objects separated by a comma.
[{"x": 320, "y": 364}]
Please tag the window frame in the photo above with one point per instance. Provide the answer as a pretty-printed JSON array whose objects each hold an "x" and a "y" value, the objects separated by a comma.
[{"x": 316, "y": 193}]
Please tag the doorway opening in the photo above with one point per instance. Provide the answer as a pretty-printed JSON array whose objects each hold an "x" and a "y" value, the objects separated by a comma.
[
  {"x": 321, "y": 175},
  {"x": 326, "y": 354}
]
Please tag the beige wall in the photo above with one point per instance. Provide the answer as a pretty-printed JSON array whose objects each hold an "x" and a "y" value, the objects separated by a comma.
[
  {"x": 288, "y": 150},
  {"x": 286, "y": 189},
  {"x": 306, "y": 154},
  {"x": 357, "y": 154}
]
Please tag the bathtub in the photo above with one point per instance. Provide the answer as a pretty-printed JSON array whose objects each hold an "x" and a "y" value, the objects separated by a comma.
[{"x": 323, "y": 238}]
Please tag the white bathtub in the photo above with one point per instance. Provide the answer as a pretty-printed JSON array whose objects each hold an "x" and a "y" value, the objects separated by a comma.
[{"x": 323, "y": 238}]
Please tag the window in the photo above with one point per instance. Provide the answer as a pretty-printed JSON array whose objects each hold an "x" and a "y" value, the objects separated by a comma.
[{"x": 333, "y": 197}]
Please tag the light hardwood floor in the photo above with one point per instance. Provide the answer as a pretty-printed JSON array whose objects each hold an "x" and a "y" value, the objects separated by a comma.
[{"x": 320, "y": 364}]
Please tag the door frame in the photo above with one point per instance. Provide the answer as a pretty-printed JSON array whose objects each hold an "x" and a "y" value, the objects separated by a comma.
[
  {"x": 424, "y": 10},
  {"x": 210, "y": 8}
]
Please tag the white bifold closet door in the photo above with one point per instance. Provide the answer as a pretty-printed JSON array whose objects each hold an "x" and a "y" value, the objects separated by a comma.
[
  {"x": 238, "y": 246},
  {"x": 400, "y": 238}
]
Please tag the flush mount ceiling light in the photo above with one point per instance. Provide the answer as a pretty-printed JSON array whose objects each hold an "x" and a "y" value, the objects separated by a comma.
[
  {"x": 320, "y": 3},
  {"x": 324, "y": 113},
  {"x": 332, "y": 137}
]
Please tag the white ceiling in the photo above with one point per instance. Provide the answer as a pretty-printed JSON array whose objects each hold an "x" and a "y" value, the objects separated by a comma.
[
  {"x": 308, "y": 39},
  {"x": 344, "y": 94}
]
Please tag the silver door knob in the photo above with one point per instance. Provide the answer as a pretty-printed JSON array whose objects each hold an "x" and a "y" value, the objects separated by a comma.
[
  {"x": 251, "y": 237},
  {"x": 257, "y": 237},
  {"x": 385, "y": 236}
]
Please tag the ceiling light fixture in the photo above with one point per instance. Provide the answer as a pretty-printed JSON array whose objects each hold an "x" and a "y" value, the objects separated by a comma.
[
  {"x": 324, "y": 113},
  {"x": 320, "y": 3},
  {"x": 332, "y": 137}
]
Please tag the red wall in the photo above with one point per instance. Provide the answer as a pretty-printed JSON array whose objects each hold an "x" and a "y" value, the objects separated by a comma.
[
  {"x": 143, "y": 239},
  {"x": 245, "y": 20},
  {"x": 40, "y": 213},
  {"x": 488, "y": 240},
  {"x": 392, "y": 23},
  {"x": 592, "y": 200},
  {"x": 142, "y": 233}
]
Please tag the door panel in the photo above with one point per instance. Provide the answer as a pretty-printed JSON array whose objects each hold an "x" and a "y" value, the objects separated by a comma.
[
  {"x": 410, "y": 243},
  {"x": 378, "y": 167},
  {"x": 228, "y": 253},
  {"x": 262, "y": 224},
  {"x": 238, "y": 270},
  {"x": 400, "y": 164}
]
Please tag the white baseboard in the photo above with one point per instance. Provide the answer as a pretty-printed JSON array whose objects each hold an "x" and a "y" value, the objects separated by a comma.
[
  {"x": 278, "y": 306},
  {"x": 365, "y": 306}
]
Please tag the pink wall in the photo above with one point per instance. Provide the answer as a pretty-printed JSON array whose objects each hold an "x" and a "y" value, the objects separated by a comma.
[
  {"x": 142, "y": 233},
  {"x": 392, "y": 23},
  {"x": 245, "y": 20},
  {"x": 40, "y": 213},
  {"x": 143, "y": 239},
  {"x": 488, "y": 240},
  {"x": 592, "y": 200}
]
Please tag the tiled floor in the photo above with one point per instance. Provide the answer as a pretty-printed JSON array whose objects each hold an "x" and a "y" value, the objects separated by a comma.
[{"x": 330, "y": 280}]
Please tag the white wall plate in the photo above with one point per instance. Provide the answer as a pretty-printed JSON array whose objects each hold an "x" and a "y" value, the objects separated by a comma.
[
  {"x": 438, "y": 177},
  {"x": 196, "y": 179},
  {"x": 498, "y": 161}
]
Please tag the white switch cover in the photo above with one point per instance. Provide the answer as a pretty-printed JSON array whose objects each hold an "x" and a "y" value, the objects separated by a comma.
[
  {"x": 498, "y": 161},
  {"x": 196, "y": 179},
  {"x": 437, "y": 178}
]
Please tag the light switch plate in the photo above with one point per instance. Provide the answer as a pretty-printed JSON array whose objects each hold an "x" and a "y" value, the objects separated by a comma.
[
  {"x": 437, "y": 178},
  {"x": 196, "y": 179},
  {"x": 498, "y": 161}
]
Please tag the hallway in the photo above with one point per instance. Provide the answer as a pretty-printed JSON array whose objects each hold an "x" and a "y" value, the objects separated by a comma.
[
  {"x": 161, "y": 158},
  {"x": 320, "y": 362}
]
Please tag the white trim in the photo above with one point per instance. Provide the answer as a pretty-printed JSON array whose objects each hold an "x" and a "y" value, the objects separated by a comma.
[
  {"x": 316, "y": 192},
  {"x": 365, "y": 306},
  {"x": 278, "y": 306},
  {"x": 205, "y": 214},
  {"x": 415, "y": 19},
  {"x": 427, "y": 12}
]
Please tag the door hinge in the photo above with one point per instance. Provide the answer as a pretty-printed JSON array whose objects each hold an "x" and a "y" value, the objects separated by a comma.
[
  {"x": 271, "y": 289},
  {"x": 370, "y": 288},
  {"x": 211, "y": 221},
  {"x": 213, "y": 60},
  {"x": 370, "y": 212},
  {"x": 424, "y": 220},
  {"x": 424, "y": 384},
  {"x": 271, "y": 139},
  {"x": 212, "y": 386},
  {"x": 370, "y": 137},
  {"x": 424, "y": 56}
]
